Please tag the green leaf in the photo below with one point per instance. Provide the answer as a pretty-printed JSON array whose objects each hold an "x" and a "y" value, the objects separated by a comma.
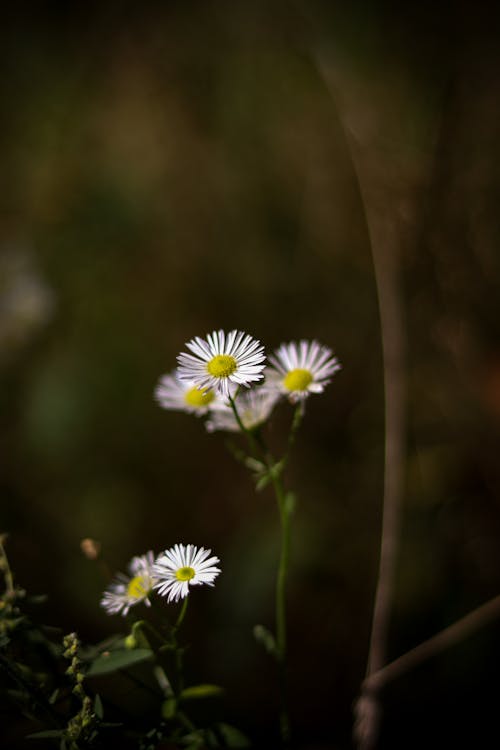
[
  {"x": 169, "y": 708},
  {"x": 113, "y": 643},
  {"x": 98, "y": 709},
  {"x": 264, "y": 636},
  {"x": 200, "y": 691},
  {"x": 277, "y": 468},
  {"x": 264, "y": 477},
  {"x": 115, "y": 660},
  {"x": 254, "y": 464},
  {"x": 54, "y": 696},
  {"x": 45, "y": 734},
  {"x": 193, "y": 741},
  {"x": 232, "y": 737},
  {"x": 263, "y": 481}
]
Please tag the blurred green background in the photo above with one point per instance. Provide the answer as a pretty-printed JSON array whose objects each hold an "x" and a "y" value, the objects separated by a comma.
[{"x": 172, "y": 168}]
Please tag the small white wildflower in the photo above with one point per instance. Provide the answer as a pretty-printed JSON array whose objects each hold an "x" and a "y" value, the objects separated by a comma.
[
  {"x": 222, "y": 362},
  {"x": 183, "y": 395},
  {"x": 299, "y": 369},
  {"x": 127, "y": 591},
  {"x": 182, "y": 566}
]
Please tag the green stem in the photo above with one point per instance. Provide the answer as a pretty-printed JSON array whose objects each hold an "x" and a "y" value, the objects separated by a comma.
[
  {"x": 182, "y": 615},
  {"x": 281, "y": 629},
  {"x": 258, "y": 448},
  {"x": 254, "y": 447},
  {"x": 298, "y": 415},
  {"x": 145, "y": 625},
  {"x": 178, "y": 651}
]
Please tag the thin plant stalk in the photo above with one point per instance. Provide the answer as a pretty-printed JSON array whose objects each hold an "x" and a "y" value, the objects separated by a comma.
[
  {"x": 182, "y": 615},
  {"x": 281, "y": 624},
  {"x": 178, "y": 651},
  {"x": 284, "y": 509},
  {"x": 380, "y": 197},
  {"x": 446, "y": 638}
]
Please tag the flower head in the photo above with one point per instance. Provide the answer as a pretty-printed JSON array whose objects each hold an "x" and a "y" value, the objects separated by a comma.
[
  {"x": 254, "y": 407},
  {"x": 127, "y": 591},
  {"x": 180, "y": 567},
  {"x": 183, "y": 395},
  {"x": 299, "y": 369},
  {"x": 222, "y": 361}
]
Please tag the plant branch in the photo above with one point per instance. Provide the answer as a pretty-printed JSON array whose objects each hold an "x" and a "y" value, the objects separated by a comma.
[
  {"x": 381, "y": 197},
  {"x": 444, "y": 639}
]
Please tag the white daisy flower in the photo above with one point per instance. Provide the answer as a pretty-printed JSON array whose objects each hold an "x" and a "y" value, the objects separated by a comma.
[
  {"x": 299, "y": 369},
  {"x": 183, "y": 395},
  {"x": 254, "y": 407},
  {"x": 127, "y": 591},
  {"x": 222, "y": 361},
  {"x": 180, "y": 567}
]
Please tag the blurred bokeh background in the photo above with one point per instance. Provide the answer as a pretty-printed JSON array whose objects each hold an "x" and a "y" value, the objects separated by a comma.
[{"x": 171, "y": 168}]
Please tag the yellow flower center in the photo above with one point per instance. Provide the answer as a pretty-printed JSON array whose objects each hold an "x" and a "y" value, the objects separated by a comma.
[
  {"x": 195, "y": 397},
  {"x": 138, "y": 587},
  {"x": 185, "y": 574},
  {"x": 297, "y": 380},
  {"x": 222, "y": 366}
]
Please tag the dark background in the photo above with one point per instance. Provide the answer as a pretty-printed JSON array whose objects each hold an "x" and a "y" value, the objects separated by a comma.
[{"x": 170, "y": 169}]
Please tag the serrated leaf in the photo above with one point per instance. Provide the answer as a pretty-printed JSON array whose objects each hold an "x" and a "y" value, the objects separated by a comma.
[
  {"x": 264, "y": 636},
  {"x": 116, "y": 660},
  {"x": 200, "y": 691}
]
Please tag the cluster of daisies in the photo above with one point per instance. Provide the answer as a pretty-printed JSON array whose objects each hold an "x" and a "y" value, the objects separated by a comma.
[
  {"x": 216, "y": 367},
  {"x": 205, "y": 382},
  {"x": 170, "y": 574}
]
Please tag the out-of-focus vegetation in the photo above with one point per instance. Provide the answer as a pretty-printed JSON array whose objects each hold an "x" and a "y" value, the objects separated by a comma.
[{"x": 174, "y": 169}]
